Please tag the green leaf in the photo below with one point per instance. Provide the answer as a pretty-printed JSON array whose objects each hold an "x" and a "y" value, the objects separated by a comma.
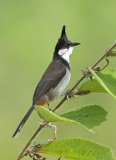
[
  {"x": 107, "y": 79},
  {"x": 89, "y": 115},
  {"x": 49, "y": 116},
  {"x": 91, "y": 85},
  {"x": 77, "y": 149}
]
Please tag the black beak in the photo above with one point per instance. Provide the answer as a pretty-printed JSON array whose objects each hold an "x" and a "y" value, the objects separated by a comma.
[{"x": 74, "y": 44}]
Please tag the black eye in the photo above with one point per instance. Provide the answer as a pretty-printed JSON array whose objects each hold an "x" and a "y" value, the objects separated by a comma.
[{"x": 68, "y": 45}]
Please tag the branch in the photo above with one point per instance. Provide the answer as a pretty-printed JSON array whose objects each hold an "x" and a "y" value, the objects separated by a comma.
[
  {"x": 25, "y": 150},
  {"x": 106, "y": 54}
]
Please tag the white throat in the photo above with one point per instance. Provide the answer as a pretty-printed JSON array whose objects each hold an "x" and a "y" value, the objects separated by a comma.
[{"x": 65, "y": 53}]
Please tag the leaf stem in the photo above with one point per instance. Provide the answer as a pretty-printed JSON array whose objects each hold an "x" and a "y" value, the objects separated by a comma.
[{"x": 106, "y": 54}]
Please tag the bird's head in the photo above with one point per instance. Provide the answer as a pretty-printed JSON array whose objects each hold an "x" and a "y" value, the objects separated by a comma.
[{"x": 64, "y": 47}]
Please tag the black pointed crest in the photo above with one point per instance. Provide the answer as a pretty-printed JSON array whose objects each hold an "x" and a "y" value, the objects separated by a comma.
[
  {"x": 63, "y": 31},
  {"x": 63, "y": 35}
]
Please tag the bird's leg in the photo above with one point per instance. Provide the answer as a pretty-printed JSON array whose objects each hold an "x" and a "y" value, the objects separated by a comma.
[
  {"x": 69, "y": 94},
  {"x": 48, "y": 106},
  {"x": 66, "y": 94}
]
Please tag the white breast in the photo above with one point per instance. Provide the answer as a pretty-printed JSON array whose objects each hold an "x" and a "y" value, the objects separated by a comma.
[{"x": 57, "y": 91}]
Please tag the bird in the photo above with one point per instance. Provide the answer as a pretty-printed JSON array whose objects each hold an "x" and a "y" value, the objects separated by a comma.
[{"x": 55, "y": 78}]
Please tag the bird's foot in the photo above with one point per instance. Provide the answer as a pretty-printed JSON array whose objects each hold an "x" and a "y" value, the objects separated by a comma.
[{"x": 69, "y": 94}]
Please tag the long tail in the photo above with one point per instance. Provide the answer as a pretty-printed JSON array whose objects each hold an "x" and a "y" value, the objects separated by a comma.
[{"x": 23, "y": 121}]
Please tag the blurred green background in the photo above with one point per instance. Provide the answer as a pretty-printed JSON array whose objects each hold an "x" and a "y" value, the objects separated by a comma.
[{"x": 28, "y": 33}]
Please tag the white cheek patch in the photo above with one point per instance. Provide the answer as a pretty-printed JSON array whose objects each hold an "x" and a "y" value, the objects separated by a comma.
[
  {"x": 65, "y": 53},
  {"x": 62, "y": 51}
]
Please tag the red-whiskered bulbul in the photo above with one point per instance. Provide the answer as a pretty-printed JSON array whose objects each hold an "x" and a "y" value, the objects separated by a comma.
[{"x": 55, "y": 78}]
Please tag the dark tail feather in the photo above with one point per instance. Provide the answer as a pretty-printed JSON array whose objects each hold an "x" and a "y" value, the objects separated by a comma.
[{"x": 23, "y": 121}]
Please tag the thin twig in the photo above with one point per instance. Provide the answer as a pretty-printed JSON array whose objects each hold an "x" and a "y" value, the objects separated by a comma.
[
  {"x": 83, "y": 77},
  {"x": 106, "y": 54},
  {"x": 23, "y": 153}
]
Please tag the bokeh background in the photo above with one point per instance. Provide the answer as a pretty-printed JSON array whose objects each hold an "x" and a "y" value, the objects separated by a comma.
[{"x": 28, "y": 33}]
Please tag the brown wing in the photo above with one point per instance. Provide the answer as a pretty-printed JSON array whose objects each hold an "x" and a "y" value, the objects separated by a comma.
[{"x": 52, "y": 76}]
